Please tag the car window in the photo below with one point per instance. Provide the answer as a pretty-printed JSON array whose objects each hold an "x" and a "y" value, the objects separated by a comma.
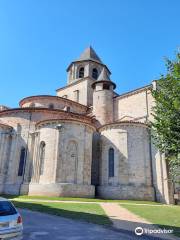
[{"x": 6, "y": 208}]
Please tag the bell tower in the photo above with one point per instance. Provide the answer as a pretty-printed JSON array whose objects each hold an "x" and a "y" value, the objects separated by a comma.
[
  {"x": 81, "y": 74},
  {"x": 88, "y": 65}
]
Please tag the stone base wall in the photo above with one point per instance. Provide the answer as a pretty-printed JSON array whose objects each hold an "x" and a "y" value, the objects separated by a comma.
[
  {"x": 62, "y": 190},
  {"x": 126, "y": 192},
  {"x": 12, "y": 189}
]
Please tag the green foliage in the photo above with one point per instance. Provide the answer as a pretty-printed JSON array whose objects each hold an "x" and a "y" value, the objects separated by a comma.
[{"x": 166, "y": 127}]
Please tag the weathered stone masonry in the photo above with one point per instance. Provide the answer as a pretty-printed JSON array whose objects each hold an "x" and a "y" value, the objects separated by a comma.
[{"x": 86, "y": 141}]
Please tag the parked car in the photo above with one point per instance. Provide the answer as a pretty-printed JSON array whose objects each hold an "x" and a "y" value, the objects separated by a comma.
[{"x": 11, "y": 226}]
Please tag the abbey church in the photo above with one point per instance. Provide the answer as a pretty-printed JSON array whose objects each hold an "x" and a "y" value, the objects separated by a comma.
[{"x": 85, "y": 141}]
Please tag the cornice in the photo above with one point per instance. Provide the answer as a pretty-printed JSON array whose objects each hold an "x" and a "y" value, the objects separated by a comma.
[
  {"x": 133, "y": 92},
  {"x": 57, "y": 120},
  {"x": 130, "y": 123},
  {"x": 27, "y": 99}
]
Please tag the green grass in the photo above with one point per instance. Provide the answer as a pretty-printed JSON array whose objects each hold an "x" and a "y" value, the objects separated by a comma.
[
  {"x": 77, "y": 199},
  {"x": 167, "y": 217},
  {"x": 87, "y": 212}
]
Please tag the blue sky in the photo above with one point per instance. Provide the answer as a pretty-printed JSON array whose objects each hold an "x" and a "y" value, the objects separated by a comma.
[{"x": 39, "y": 38}]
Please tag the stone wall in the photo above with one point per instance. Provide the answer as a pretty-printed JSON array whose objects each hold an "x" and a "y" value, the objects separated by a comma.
[
  {"x": 84, "y": 88},
  {"x": 132, "y": 163},
  {"x": 26, "y": 135},
  {"x": 136, "y": 106},
  {"x": 57, "y": 103},
  {"x": 68, "y": 156}
]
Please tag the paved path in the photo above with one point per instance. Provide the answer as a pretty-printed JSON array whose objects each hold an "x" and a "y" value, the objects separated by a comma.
[
  {"x": 124, "y": 219},
  {"x": 40, "y": 226}
]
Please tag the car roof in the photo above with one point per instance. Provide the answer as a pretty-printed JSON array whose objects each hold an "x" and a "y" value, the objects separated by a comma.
[{"x": 3, "y": 199}]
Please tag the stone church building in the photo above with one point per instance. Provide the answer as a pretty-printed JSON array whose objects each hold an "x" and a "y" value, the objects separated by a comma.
[{"x": 86, "y": 141}]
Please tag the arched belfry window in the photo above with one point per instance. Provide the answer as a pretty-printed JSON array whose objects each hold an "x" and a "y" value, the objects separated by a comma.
[
  {"x": 95, "y": 73},
  {"x": 111, "y": 162},
  {"x": 81, "y": 72},
  {"x": 51, "y": 106},
  {"x": 42, "y": 156},
  {"x": 21, "y": 161}
]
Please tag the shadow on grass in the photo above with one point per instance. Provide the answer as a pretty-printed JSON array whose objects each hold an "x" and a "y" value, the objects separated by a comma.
[
  {"x": 94, "y": 218},
  {"x": 88, "y": 217}
]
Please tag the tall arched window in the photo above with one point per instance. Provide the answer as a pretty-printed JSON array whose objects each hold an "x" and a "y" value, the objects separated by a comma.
[
  {"x": 21, "y": 161},
  {"x": 111, "y": 162},
  {"x": 42, "y": 156},
  {"x": 81, "y": 72},
  {"x": 95, "y": 73}
]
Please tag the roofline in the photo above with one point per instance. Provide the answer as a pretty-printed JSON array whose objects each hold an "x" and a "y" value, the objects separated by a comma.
[
  {"x": 88, "y": 60},
  {"x": 74, "y": 83},
  {"x": 103, "y": 81},
  {"x": 67, "y": 120},
  {"x": 49, "y": 96},
  {"x": 135, "y": 91},
  {"x": 39, "y": 109},
  {"x": 124, "y": 123}
]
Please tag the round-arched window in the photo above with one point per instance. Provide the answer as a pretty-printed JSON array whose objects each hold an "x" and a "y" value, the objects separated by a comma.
[
  {"x": 111, "y": 162},
  {"x": 81, "y": 72},
  {"x": 95, "y": 73},
  {"x": 42, "y": 156},
  {"x": 51, "y": 106}
]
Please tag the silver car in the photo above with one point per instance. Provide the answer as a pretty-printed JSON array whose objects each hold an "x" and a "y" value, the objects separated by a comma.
[{"x": 11, "y": 226}]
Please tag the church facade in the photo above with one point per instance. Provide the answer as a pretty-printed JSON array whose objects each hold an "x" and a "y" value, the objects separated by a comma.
[{"x": 86, "y": 141}]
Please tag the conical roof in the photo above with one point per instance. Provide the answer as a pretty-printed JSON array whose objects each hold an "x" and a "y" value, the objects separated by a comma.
[
  {"x": 89, "y": 54},
  {"x": 103, "y": 76}
]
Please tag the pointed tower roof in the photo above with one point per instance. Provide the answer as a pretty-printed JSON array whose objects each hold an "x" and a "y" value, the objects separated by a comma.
[
  {"x": 89, "y": 54},
  {"x": 104, "y": 76}
]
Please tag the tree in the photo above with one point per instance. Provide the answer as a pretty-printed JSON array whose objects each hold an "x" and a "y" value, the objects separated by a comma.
[{"x": 166, "y": 124}]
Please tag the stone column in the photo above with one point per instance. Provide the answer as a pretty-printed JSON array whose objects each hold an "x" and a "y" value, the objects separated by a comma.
[
  {"x": 29, "y": 158},
  {"x": 12, "y": 164},
  {"x": 56, "y": 157},
  {"x": 35, "y": 164},
  {"x": 2, "y": 139},
  {"x": 2, "y": 160}
]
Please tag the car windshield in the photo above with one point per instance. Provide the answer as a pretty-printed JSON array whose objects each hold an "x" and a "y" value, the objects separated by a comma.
[{"x": 6, "y": 208}]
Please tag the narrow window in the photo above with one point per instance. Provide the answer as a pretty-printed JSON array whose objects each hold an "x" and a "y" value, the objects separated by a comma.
[
  {"x": 81, "y": 72},
  {"x": 106, "y": 86},
  {"x": 51, "y": 106},
  {"x": 111, "y": 162},
  {"x": 76, "y": 95},
  {"x": 95, "y": 73},
  {"x": 21, "y": 161},
  {"x": 42, "y": 156},
  {"x": 65, "y": 96}
]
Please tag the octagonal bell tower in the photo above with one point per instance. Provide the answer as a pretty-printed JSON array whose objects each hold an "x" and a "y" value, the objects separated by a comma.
[
  {"x": 81, "y": 75},
  {"x": 88, "y": 65}
]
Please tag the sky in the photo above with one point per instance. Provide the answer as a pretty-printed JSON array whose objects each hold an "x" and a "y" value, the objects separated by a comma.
[{"x": 40, "y": 38}]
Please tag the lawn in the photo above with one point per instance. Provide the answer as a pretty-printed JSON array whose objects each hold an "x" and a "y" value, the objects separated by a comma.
[
  {"x": 90, "y": 212},
  {"x": 167, "y": 217},
  {"x": 25, "y": 197}
]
